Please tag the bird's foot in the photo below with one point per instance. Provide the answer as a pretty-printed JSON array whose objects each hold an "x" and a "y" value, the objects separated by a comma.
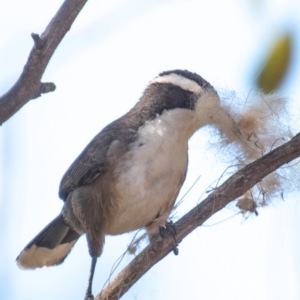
[{"x": 171, "y": 229}]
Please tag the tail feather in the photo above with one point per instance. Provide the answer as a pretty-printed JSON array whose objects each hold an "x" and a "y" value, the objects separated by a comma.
[{"x": 50, "y": 247}]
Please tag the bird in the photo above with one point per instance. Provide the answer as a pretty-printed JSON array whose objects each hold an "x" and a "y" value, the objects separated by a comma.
[{"x": 129, "y": 176}]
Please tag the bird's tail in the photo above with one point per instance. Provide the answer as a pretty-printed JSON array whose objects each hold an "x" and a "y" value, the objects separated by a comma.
[{"x": 50, "y": 247}]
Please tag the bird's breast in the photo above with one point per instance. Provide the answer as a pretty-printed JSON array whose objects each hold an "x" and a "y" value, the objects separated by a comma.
[{"x": 150, "y": 176}]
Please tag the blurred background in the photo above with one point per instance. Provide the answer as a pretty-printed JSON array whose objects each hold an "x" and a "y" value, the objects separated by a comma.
[{"x": 101, "y": 68}]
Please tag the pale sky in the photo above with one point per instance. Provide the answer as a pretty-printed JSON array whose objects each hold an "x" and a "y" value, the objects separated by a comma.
[{"x": 100, "y": 69}]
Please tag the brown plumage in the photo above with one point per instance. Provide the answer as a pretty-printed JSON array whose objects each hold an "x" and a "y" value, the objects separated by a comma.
[{"x": 131, "y": 172}]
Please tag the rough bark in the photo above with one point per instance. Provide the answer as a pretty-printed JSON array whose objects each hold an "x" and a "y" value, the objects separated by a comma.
[
  {"x": 231, "y": 189},
  {"x": 29, "y": 85}
]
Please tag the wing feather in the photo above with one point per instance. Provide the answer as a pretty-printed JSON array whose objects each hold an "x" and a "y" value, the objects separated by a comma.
[{"x": 93, "y": 160}]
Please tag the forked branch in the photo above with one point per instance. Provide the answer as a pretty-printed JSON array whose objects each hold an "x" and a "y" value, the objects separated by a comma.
[{"x": 29, "y": 85}]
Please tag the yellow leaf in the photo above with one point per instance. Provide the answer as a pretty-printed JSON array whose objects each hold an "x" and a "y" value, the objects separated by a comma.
[{"x": 276, "y": 65}]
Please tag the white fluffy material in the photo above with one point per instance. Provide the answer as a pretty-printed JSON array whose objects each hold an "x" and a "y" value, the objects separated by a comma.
[{"x": 258, "y": 126}]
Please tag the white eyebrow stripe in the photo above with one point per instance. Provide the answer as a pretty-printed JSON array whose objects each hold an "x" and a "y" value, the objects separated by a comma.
[{"x": 184, "y": 83}]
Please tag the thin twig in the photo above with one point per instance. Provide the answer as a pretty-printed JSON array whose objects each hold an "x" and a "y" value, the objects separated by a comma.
[{"x": 29, "y": 85}]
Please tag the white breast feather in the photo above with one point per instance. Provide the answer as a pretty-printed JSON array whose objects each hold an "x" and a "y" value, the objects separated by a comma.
[
  {"x": 151, "y": 174},
  {"x": 153, "y": 170}
]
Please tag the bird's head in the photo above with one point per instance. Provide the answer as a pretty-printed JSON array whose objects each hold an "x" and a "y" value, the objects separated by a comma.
[{"x": 182, "y": 89}]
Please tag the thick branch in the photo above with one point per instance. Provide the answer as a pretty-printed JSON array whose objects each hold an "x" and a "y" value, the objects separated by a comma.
[
  {"x": 231, "y": 189},
  {"x": 29, "y": 85}
]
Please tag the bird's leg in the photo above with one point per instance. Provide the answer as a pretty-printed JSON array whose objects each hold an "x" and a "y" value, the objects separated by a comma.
[
  {"x": 88, "y": 294},
  {"x": 169, "y": 227}
]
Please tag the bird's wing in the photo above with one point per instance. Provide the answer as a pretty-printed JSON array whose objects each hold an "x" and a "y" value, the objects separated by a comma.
[{"x": 93, "y": 160}]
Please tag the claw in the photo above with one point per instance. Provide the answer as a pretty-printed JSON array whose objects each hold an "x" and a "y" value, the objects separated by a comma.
[{"x": 169, "y": 227}]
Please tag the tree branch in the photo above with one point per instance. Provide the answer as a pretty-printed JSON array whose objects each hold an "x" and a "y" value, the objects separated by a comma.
[
  {"x": 29, "y": 85},
  {"x": 231, "y": 189}
]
